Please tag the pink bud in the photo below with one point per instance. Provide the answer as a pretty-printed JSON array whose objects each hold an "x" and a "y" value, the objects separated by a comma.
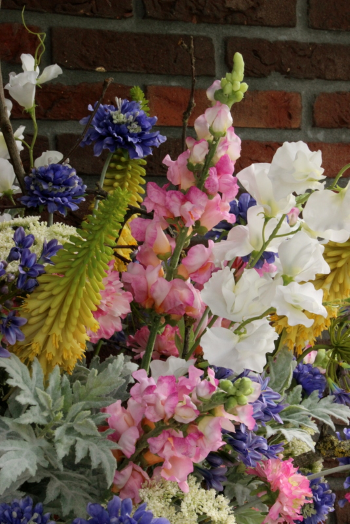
[
  {"x": 219, "y": 118},
  {"x": 211, "y": 90}
]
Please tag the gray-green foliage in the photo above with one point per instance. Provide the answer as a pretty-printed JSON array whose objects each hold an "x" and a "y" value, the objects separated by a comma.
[{"x": 49, "y": 436}]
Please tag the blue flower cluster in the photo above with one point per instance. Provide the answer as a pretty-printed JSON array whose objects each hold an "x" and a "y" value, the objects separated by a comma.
[
  {"x": 323, "y": 503},
  {"x": 23, "y": 512},
  {"x": 237, "y": 207},
  {"x": 310, "y": 378},
  {"x": 250, "y": 447},
  {"x": 10, "y": 329},
  {"x": 119, "y": 512},
  {"x": 268, "y": 406},
  {"x": 267, "y": 256},
  {"x": 56, "y": 186},
  {"x": 126, "y": 126}
]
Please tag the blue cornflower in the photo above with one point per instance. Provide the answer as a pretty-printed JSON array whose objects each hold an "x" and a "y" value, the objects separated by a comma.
[
  {"x": 240, "y": 207},
  {"x": 213, "y": 477},
  {"x": 22, "y": 511},
  {"x": 268, "y": 405},
  {"x": 3, "y": 266},
  {"x": 322, "y": 504},
  {"x": 22, "y": 241},
  {"x": 310, "y": 378},
  {"x": 222, "y": 373},
  {"x": 49, "y": 250},
  {"x": 119, "y": 512},
  {"x": 125, "y": 126},
  {"x": 250, "y": 447},
  {"x": 9, "y": 327},
  {"x": 56, "y": 186},
  {"x": 29, "y": 270}
]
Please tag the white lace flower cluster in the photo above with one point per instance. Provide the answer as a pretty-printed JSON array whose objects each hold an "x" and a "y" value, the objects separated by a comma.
[{"x": 161, "y": 495}]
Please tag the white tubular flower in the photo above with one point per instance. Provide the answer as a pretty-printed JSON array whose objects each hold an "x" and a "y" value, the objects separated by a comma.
[
  {"x": 291, "y": 300},
  {"x": 301, "y": 257},
  {"x": 255, "y": 180},
  {"x": 47, "y": 158},
  {"x": 328, "y": 214},
  {"x": 3, "y": 147},
  {"x": 243, "y": 240},
  {"x": 222, "y": 347},
  {"x": 294, "y": 169},
  {"x": 22, "y": 87},
  {"x": 7, "y": 177},
  {"x": 237, "y": 302}
]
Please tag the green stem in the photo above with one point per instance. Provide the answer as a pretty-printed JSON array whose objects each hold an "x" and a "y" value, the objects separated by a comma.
[
  {"x": 341, "y": 172},
  {"x": 325, "y": 472},
  {"x": 180, "y": 241},
  {"x": 35, "y": 134},
  {"x": 313, "y": 348},
  {"x": 50, "y": 220},
  {"x": 267, "y": 312},
  {"x": 103, "y": 174},
  {"x": 197, "y": 342},
  {"x": 265, "y": 244},
  {"x": 146, "y": 359},
  {"x": 209, "y": 158},
  {"x": 200, "y": 323},
  {"x": 98, "y": 347}
]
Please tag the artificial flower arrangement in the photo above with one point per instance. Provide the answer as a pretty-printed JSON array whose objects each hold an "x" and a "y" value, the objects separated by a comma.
[{"x": 218, "y": 399}]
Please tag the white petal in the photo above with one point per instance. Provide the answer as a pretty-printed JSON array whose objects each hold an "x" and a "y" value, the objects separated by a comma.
[
  {"x": 49, "y": 73},
  {"x": 28, "y": 62},
  {"x": 47, "y": 158},
  {"x": 7, "y": 175},
  {"x": 236, "y": 244},
  {"x": 8, "y": 105},
  {"x": 172, "y": 366},
  {"x": 291, "y": 300},
  {"x": 6, "y": 217}
]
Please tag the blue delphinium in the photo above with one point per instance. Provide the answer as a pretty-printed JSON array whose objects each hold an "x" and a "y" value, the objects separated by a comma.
[
  {"x": 310, "y": 378},
  {"x": 10, "y": 327},
  {"x": 22, "y": 241},
  {"x": 268, "y": 406},
  {"x": 267, "y": 256},
  {"x": 49, "y": 250},
  {"x": 56, "y": 186},
  {"x": 22, "y": 512},
  {"x": 125, "y": 126},
  {"x": 322, "y": 504},
  {"x": 250, "y": 447},
  {"x": 119, "y": 512},
  {"x": 237, "y": 207},
  {"x": 28, "y": 271},
  {"x": 222, "y": 373}
]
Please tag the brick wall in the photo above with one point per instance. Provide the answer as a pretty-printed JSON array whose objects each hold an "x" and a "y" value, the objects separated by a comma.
[{"x": 297, "y": 55}]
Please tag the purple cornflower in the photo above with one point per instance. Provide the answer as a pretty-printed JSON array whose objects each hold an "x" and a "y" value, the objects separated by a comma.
[
  {"x": 250, "y": 447},
  {"x": 56, "y": 186},
  {"x": 310, "y": 378},
  {"x": 10, "y": 327},
  {"x": 125, "y": 126},
  {"x": 29, "y": 270},
  {"x": 49, "y": 250},
  {"x": 213, "y": 477},
  {"x": 23, "y": 512},
  {"x": 322, "y": 504},
  {"x": 119, "y": 512},
  {"x": 22, "y": 241},
  {"x": 268, "y": 405}
]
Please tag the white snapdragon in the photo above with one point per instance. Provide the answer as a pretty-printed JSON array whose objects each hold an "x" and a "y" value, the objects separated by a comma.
[
  {"x": 172, "y": 366},
  {"x": 255, "y": 180},
  {"x": 223, "y": 347},
  {"x": 3, "y": 147},
  {"x": 301, "y": 257},
  {"x": 243, "y": 240},
  {"x": 291, "y": 300},
  {"x": 22, "y": 87},
  {"x": 328, "y": 214},
  {"x": 294, "y": 169},
  {"x": 7, "y": 178},
  {"x": 236, "y": 301},
  {"x": 47, "y": 158}
]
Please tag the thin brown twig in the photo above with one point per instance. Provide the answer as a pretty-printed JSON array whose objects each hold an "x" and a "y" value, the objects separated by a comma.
[
  {"x": 107, "y": 82},
  {"x": 191, "y": 102},
  {"x": 7, "y": 131}
]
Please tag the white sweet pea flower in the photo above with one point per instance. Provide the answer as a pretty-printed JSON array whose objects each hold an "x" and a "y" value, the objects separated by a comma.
[
  {"x": 8, "y": 105},
  {"x": 236, "y": 301},
  {"x": 7, "y": 177},
  {"x": 47, "y": 158},
  {"x": 223, "y": 347},
  {"x": 22, "y": 87},
  {"x": 291, "y": 300},
  {"x": 243, "y": 240},
  {"x": 3, "y": 147},
  {"x": 301, "y": 257},
  {"x": 294, "y": 169},
  {"x": 328, "y": 214},
  {"x": 172, "y": 366},
  {"x": 255, "y": 180}
]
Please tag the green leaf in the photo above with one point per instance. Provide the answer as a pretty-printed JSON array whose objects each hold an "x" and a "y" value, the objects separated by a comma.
[
  {"x": 19, "y": 377},
  {"x": 100, "y": 454},
  {"x": 297, "y": 416},
  {"x": 249, "y": 516},
  {"x": 295, "y": 395},
  {"x": 324, "y": 409},
  {"x": 281, "y": 370},
  {"x": 290, "y": 433}
]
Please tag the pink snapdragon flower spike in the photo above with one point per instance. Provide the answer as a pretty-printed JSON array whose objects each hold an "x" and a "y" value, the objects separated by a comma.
[
  {"x": 156, "y": 200},
  {"x": 228, "y": 145},
  {"x": 178, "y": 172},
  {"x": 151, "y": 233},
  {"x": 220, "y": 179},
  {"x": 139, "y": 281},
  {"x": 162, "y": 401},
  {"x": 186, "y": 411},
  {"x": 201, "y": 127},
  {"x": 216, "y": 85},
  {"x": 164, "y": 344},
  {"x": 291, "y": 487},
  {"x": 129, "y": 481},
  {"x": 198, "y": 263},
  {"x": 215, "y": 211},
  {"x": 198, "y": 150},
  {"x": 144, "y": 385},
  {"x": 219, "y": 118},
  {"x": 125, "y": 425},
  {"x": 172, "y": 297},
  {"x": 114, "y": 306},
  {"x": 189, "y": 207}
]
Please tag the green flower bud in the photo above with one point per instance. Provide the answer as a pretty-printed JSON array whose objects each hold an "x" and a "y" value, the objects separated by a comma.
[
  {"x": 228, "y": 88},
  {"x": 242, "y": 400},
  {"x": 230, "y": 404},
  {"x": 226, "y": 385},
  {"x": 236, "y": 85},
  {"x": 244, "y": 87}
]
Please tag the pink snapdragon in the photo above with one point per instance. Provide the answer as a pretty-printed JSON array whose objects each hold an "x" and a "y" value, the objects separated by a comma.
[
  {"x": 198, "y": 150},
  {"x": 198, "y": 263},
  {"x": 178, "y": 172},
  {"x": 211, "y": 90},
  {"x": 163, "y": 346},
  {"x": 220, "y": 179},
  {"x": 228, "y": 145},
  {"x": 189, "y": 207},
  {"x": 292, "y": 489},
  {"x": 139, "y": 280},
  {"x": 156, "y": 200},
  {"x": 151, "y": 233},
  {"x": 219, "y": 118},
  {"x": 215, "y": 211},
  {"x": 129, "y": 481},
  {"x": 292, "y": 216},
  {"x": 114, "y": 306},
  {"x": 126, "y": 426}
]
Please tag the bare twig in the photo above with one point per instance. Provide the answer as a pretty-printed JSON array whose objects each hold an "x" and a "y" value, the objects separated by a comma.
[
  {"x": 191, "y": 102},
  {"x": 107, "y": 82},
  {"x": 6, "y": 128},
  {"x": 123, "y": 259},
  {"x": 11, "y": 207}
]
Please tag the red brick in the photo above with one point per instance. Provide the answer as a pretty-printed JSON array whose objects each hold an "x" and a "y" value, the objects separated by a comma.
[
  {"x": 82, "y": 159},
  {"x": 62, "y": 102},
  {"x": 259, "y": 109},
  {"x": 15, "y": 40},
  {"x": 292, "y": 59},
  {"x": 96, "y": 8},
  {"x": 41, "y": 145},
  {"x": 332, "y": 110},
  {"x": 130, "y": 52},
  {"x": 329, "y": 15},
  {"x": 276, "y": 13}
]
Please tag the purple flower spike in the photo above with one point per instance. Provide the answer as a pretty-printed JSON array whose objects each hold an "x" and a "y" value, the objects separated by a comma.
[
  {"x": 10, "y": 327},
  {"x": 29, "y": 269},
  {"x": 49, "y": 250},
  {"x": 22, "y": 241}
]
